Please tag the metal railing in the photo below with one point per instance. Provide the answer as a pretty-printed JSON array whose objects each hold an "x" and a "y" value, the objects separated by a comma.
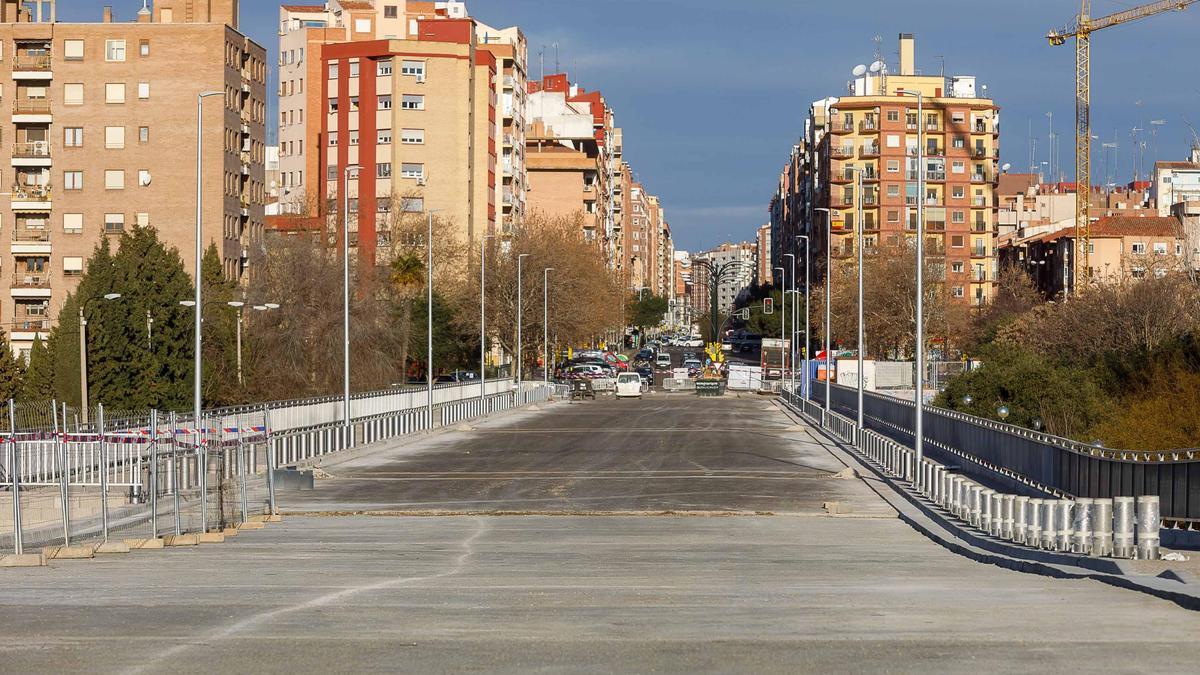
[
  {"x": 31, "y": 106},
  {"x": 29, "y": 62},
  {"x": 40, "y": 279},
  {"x": 31, "y": 149}
]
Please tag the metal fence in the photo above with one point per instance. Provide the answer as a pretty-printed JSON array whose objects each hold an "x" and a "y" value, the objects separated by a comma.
[
  {"x": 135, "y": 479},
  {"x": 1053, "y": 464},
  {"x": 1121, "y": 526}
]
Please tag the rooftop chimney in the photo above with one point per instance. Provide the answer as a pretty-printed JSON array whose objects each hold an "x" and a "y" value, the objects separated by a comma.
[
  {"x": 108, "y": 17},
  {"x": 907, "y": 54}
]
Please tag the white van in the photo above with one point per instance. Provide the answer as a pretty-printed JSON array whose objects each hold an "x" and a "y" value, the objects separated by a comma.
[
  {"x": 629, "y": 385},
  {"x": 663, "y": 360}
]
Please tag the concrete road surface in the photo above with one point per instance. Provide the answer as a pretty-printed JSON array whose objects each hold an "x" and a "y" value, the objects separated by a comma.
[{"x": 574, "y": 589}]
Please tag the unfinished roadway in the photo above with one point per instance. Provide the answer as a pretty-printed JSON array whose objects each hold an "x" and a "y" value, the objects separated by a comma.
[{"x": 672, "y": 534}]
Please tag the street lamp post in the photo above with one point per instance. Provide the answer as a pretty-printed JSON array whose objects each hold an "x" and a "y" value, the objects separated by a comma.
[
  {"x": 83, "y": 375},
  {"x": 858, "y": 217},
  {"x": 238, "y": 305},
  {"x": 429, "y": 321},
  {"x": 791, "y": 331},
  {"x": 782, "y": 305},
  {"x": 807, "y": 326},
  {"x": 918, "y": 430},
  {"x": 828, "y": 287},
  {"x": 546, "y": 324},
  {"x": 483, "y": 319},
  {"x": 346, "y": 300},
  {"x": 520, "y": 364},
  {"x": 197, "y": 403}
]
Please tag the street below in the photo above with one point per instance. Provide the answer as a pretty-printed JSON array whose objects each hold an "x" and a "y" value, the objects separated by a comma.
[{"x": 671, "y": 534}]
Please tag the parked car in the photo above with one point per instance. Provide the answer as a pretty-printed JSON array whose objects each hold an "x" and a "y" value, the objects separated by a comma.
[
  {"x": 629, "y": 385},
  {"x": 694, "y": 367},
  {"x": 457, "y": 376},
  {"x": 586, "y": 371},
  {"x": 647, "y": 374},
  {"x": 663, "y": 360},
  {"x": 692, "y": 342},
  {"x": 644, "y": 355}
]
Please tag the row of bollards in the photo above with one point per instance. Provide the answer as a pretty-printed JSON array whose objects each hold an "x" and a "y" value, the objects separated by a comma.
[{"x": 1121, "y": 527}]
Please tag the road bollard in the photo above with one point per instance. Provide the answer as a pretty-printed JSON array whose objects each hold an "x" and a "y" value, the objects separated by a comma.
[
  {"x": 1033, "y": 522},
  {"x": 1019, "y": 523},
  {"x": 1123, "y": 517},
  {"x": 1050, "y": 509},
  {"x": 944, "y": 489},
  {"x": 976, "y": 504},
  {"x": 1082, "y": 543},
  {"x": 1006, "y": 513},
  {"x": 985, "y": 509},
  {"x": 964, "y": 509},
  {"x": 1063, "y": 526},
  {"x": 935, "y": 483},
  {"x": 1102, "y": 532},
  {"x": 956, "y": 492},
  {"x": 997, "y": 514},
  {"x": 1148, "y": 524}
]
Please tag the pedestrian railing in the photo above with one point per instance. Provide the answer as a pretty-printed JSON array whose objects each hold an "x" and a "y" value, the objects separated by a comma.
[
  {"x": 146, "y": 478},
  {"x": 1120, "y": 526}
]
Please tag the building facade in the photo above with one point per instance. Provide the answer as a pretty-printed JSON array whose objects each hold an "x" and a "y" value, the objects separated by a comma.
[{"x": 102, "y": 139}]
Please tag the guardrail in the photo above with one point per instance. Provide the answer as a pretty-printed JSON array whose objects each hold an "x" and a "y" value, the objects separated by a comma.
[
  {"x": 1120, "y": 526},
  {"x": 1040, "y": 460}
]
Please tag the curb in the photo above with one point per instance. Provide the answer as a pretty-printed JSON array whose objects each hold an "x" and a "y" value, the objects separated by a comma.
[{"x": 932, "y": 523}]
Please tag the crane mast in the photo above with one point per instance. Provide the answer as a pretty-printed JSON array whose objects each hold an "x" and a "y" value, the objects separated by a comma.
[{"x": 1081, "y": 30}]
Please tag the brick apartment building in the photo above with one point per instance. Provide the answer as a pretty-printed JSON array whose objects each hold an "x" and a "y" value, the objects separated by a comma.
[{"x": 102, "y": 137}]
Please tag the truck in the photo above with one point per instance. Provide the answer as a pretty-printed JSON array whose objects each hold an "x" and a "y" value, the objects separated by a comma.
[{"x": 776, "y": 358}]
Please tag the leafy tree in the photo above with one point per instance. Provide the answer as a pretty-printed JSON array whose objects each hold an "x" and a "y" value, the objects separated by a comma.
[
  {"x": 768, "y": 325},
  {"x": 11, "y": 371},
  {"x": 407, "y": 277},
  {"x": 646, "y": 310}
]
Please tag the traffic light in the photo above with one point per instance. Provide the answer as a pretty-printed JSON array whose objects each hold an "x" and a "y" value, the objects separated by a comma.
[{"x": 768, "y": 305}]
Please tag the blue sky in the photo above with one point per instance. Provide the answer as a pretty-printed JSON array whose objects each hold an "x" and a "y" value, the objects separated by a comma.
[{"x": 712, "y": 93}]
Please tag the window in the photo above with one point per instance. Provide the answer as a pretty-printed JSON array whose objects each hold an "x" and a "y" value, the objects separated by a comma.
[
  {"x": 1178, "y": 249},
  {"x": 958, "y": 217},
  {"x": 354, "y": 103},
  {"x": 353, "y": 140},
  {"x": 143, "y": 177},
  {"x": 143, "y": 90},
  {"x": 385, "y": 102},
  {"x": 412, "y": 136},
  {"x": 114, "y": 138},
  {"x": 383, "y": 204},
  {"x": 333, "y": 105},
  {"x": 352, "y": 203},
  {"x": 893, "y": 115},
  {"x": 893, "y": 216},
  {"x": 958, "y": 167},
  {"x": 114, "y": 50},
  {"x": 73, "y": 94},
  {"x": 333, "y": 139},
  {"x": 72, "y": 266},
  {"x": 1138, "y": 272},
  {"x": 114, "y": 223},
  {"x": 893, "y": 166},
  {"x": 362, "y": 25},
  {"x": 383, "y": 137},
  {"x": 413, "y": 204},
  {"x": 333, "y": 70},
  {"x": 114, "y": 92},
  {"x": 142, "y": 219},
  {"x": 389, "y": 11},
  {"x": 956, "y": 241},
  {"x": 957, "y": 267},
  {"x": 354, "y": 69},
  {"x": 73, "y": 50},
  {"x": 383, "y": 170},
  {"x": 383, "y": 67},
  {"x": 73, "y": 137},
  {"x": 412, "y": 102},
  {"x": 958, "y": 117},
  {"x": 893, "y": 140},
  {"x": 73, "y": 223},
  {"x": 958, "y": 291},
  {"x": 72, "y": 180},
  {"x": 958, "y": 192},
  {"x": 143, "y": 134},
  {"x": 893, "y": 190},
  {"x": 412, "y": 68},
  {"x": 1138, "y": 248},
  {"x": 144, "y": 48},
  {"x": 114, "y": 179},
  {"x": 1160, "y": 248},
  {"x": 408, "y": 170}
]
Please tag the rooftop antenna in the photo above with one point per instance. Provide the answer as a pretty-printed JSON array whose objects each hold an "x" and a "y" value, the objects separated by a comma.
[
  {"x": 1154, "y": 125},
  {"x": 1133, "y": 150},
  {"x": 542, "y": 62},
  {"x": 556, "y": 69},
  {"x": 882, "y": 70}
]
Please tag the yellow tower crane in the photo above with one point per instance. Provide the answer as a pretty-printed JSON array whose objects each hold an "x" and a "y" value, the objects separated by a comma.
[{"x": 1081, "y": 29}]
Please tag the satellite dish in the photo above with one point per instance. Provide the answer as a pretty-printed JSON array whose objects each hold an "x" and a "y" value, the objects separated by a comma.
[
  {"x": 146, "y": 179},
  {"x": 1006, "y": 167},
  {"x": 878, "y": 66},
  {"x": 859, "y": 70}
]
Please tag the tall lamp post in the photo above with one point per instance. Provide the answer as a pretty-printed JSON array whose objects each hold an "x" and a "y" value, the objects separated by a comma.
[
  {"x": 197, "y": 403},
  {"x": 83, "y": 375},
  {"x": 858, "y": 218},
  {"x": 791, "y": 337},
  {"x": 346, "y": 297},
  {"x": 520, "y": 364},
  {"x": 807, "y": 326},
  {"x": 782, "y": 305},
  {"x": 483, "y": 318},
  {"x": 546, "y": 324},
  {"x": 918, "y": 430},
  {"x": 828, "y": 297},
  {"x": 429, "y": 321}
]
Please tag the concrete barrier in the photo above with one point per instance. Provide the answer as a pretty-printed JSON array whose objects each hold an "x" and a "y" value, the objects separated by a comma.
[
  {"x": 1148, "y": 523},
  {"x": 1123, "y": 523}
]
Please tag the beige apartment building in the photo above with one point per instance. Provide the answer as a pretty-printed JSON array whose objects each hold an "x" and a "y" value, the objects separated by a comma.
[
  {"x": 418, "y": 94},
  {"x": 102, "y": 137}
]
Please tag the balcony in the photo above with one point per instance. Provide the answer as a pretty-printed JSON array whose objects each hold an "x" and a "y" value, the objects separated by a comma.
[
  {"x": 31, "y": 324},
  {"x": 980, "y": 227},
  {"x": 31, "y": 280},
  {"x": 934, "y": 127},
  {"x": 31, "y": 153},
  {"x": 980, "y": 153},
  {"x": 870, "y": 151},
  {"x": 30, "y": 234},
  {"x": 842, "y": 153},
  {"x": 867, "y": 126},
  {"x": 935, "y": 176},
  {"x": 984, "y": 177},
  {"x": 843, "y": 127},
  {"x": 979, "y": 252},
  {"x": 31, "y": 110},
  {"x": 31, "y": 66},
  {"x": 31, "y": 197}
]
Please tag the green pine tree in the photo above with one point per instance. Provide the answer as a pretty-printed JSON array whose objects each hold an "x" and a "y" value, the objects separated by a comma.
[
  {"x": 220, "y": 332},
  {"x": 38, "y": 384},
  {"x": 11, "y": 370}
]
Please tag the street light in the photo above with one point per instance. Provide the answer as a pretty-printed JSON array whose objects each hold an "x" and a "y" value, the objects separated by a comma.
[
  {"x": 520, "y": 315},
  {"x": 83, "y": 378},
  {"x": 828, "y": 297},
  {"x": 782, "y": 310},
  {"x": 807, "y": 325},
  {"x": 858, "y": 219},
  {"x": 346, "y": 301},
  {"x": 918, "y": 426},
  {"x": 546, "y": 324},
  {"x": 197, "y": 403},
  {"x": 483, "y": 320},
  {"x": 429, "y": 321}
]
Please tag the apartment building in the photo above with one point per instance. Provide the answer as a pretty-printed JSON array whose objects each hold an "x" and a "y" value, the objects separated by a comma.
[
  {"x": 743, "y": 255},
  {"x": 639, "y": 243},
  {"x": 764, "y": 274},
  {"x": 102, "y": 137},
  {"x": 1176, "y": 182},
  {"x": 447, "y": 93},
  {"x": 1026, "y": 206},
  {"x": 874, "y": 129},
  {"x": 1122, "y": 248}
]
